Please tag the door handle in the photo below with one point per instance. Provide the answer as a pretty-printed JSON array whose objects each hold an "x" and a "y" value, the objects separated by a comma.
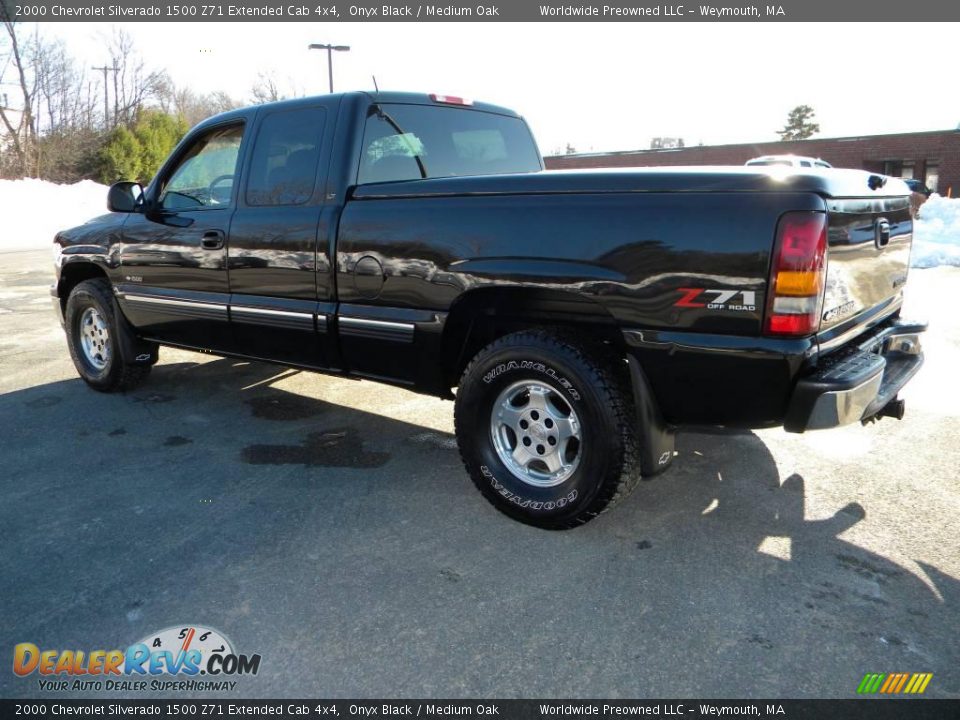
[{"x": 212, "y": 240}]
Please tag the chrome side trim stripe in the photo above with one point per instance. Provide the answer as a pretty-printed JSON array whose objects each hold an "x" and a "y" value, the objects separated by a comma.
[
  {"x": 274, "y": 313},
  {"x": 385, "y": 324},
  {"x": 152, "y": 299},
  {"x": 247, "y": 314},
  {"x": 376, "y": 329},
  {"x": 268, "y": 317}
]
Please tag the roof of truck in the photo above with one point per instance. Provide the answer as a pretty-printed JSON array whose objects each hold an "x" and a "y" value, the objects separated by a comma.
[{"x": 387, "y": 97}]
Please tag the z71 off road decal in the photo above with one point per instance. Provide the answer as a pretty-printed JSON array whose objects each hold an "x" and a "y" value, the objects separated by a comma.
[{"x": 716, "y": 299}]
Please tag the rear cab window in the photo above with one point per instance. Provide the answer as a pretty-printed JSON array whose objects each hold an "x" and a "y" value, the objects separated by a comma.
[{"x": 411, "y": 142}]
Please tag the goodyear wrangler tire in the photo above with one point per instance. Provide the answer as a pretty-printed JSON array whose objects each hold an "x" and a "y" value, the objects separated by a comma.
[
  {"x": 97, "y": 339},
  {"x": 545, "y": 427}
]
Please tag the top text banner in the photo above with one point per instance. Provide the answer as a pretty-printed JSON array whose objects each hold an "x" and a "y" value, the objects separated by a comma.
[{"x": 489, "y": 11}]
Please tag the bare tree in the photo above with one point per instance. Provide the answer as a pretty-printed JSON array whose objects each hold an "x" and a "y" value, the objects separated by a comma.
[
  {"x": 65, "y": 99},
  {"x": 134, "y": 84},
  {"x": 53, "y": 123},
  {"x": 265, "y": 89},
  {"x": 220, "y": 101},
  {"x": 18, "y": 120},
  {"x": 194, "y": 107},
  {"x": 268, "y": 88}
]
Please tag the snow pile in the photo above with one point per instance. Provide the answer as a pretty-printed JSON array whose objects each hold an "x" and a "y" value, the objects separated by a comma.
[
  {"x": 936, "y": 233},
  {"x": 32, "y": 211}
]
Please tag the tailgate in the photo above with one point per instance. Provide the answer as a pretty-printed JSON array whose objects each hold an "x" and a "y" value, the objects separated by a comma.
[{"x": 867, "y": 261}]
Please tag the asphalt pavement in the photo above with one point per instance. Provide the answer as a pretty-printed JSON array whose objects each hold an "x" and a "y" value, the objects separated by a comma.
[{"x": 328, "y": 526}]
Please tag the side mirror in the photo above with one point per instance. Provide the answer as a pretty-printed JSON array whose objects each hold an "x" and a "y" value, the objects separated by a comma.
[{"x": 124, "y": 197}]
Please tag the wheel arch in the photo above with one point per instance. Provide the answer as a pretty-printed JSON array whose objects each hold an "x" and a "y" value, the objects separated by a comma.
[
  {"x": 130, "y": 359},
  {"x": 480, "y": 316},
  {"x": 75, "y": 272}
]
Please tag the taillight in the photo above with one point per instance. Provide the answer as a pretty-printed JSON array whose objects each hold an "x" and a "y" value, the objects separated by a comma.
[
  {"x": 797, "y": 274},
  {"x": 450, "y": 100}
]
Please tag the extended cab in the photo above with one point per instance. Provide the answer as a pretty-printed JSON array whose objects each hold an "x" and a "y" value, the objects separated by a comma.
[{"x": 581, "y": 316}]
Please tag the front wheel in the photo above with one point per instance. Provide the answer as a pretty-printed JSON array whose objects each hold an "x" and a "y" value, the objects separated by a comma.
[
  {"x": 546, "y": 429},
  {"x": 100, "y": 342}
]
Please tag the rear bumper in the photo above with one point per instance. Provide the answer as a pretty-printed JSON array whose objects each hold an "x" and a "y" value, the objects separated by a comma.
[
  {"x": 703, "y": 379},
  {"x": 858, "y": 381}
]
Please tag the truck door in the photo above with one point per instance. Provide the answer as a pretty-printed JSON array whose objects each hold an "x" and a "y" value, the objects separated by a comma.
[
  {"x": 381, "y": 336},
  {"x": 173, "y": 272},
  {"x": 281, "y": 275}
]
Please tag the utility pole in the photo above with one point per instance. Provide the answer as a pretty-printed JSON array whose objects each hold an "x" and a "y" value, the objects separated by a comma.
[
  {"x": 329, "y": 49},
  {"x": 106, "y": 105}
]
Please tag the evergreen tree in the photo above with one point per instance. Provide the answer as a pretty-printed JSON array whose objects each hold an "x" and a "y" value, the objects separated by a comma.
[
  {"x": 138, "y": 152},
  {"x": 120, "y": 157},
  {"x": 158, "y": 133},
  {"x": 800, "y": 124}
]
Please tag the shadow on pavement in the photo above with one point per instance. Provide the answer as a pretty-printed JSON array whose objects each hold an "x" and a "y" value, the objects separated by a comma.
[{"x": 350, "y": 550}]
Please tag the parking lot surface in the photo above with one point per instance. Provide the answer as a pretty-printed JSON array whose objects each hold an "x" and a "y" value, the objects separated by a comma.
[{"x": 328, "y": 525}]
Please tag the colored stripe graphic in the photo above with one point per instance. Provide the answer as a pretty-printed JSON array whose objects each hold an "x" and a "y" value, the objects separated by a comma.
[
  {"x": 918, "y": 683},
  {"x": 870, "y": 683},
  {"x": 903, "y": 681},
  {"x": 894, "y": 683}
]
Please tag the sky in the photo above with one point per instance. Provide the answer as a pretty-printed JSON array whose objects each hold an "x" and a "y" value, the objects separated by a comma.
[{"x": 594, "y": 86}]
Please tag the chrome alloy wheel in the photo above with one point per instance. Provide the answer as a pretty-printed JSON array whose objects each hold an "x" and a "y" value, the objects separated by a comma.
[
  {"x": 94, "y": 338},
  {"x": 536, "y": 433}
]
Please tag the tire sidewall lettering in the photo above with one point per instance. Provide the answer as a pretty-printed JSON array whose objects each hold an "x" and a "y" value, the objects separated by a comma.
[
  {"x": 527, "y": 503},
  {"x": 588, "y": 380},
  {"x": 511, "y": 489},
  {"x": 534, "y": 366}
]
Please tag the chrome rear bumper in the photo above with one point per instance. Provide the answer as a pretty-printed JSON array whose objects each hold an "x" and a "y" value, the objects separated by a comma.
[{"x": 858, "y": 381}]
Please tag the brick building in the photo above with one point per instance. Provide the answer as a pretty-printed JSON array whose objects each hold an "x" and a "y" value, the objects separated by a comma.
[{"x": 933, "y": 157}]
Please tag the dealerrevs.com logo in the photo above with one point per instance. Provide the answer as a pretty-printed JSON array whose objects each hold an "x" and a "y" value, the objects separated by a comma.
[{"x": 181, "y": 652}]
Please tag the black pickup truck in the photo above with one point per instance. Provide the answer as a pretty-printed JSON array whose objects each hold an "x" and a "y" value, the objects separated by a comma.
[{"x": 582, "y": 317}]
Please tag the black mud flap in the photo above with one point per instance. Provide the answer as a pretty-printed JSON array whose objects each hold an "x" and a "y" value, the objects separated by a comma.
[
  {"x": 657, "y": 438},
  {"x": 133, "y": 349}
]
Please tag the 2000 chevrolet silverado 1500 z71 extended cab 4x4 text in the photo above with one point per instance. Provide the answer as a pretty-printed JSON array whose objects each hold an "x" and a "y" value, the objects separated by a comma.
[{"x": 582, "y": 317}]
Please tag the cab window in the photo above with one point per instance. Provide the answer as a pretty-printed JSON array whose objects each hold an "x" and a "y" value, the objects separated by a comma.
[
  {"x": 407, "y": 142},
  {"x": 204, "y": 176},
  {"x": 283, "y": 170}
]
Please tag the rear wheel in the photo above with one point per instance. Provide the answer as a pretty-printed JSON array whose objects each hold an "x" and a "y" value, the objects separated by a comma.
[
  {"x": 98, "y": 339},
  {"x": 546, "y": 430}
]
